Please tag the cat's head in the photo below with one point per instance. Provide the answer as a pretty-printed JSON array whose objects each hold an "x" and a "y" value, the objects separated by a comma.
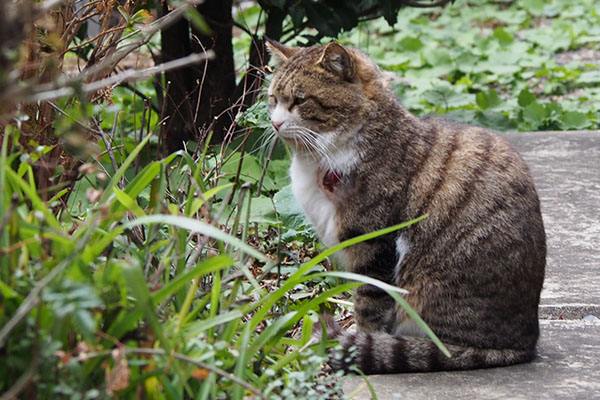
[{"x": 321, "y": 96}]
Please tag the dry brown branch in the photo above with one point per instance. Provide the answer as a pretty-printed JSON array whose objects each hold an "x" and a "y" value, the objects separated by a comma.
[
  {"x": 73, "y": 86},
  {"x": 44, "y": 33}
]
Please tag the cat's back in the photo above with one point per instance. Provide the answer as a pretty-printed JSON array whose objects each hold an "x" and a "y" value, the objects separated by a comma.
[
  {"x": 468, "y": 172},
  {"x": 483, "y": 243}
]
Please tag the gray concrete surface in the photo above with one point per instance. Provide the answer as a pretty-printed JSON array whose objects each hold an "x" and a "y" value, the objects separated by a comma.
[
  {"x": 566, "y": 170},
  {"x": 567, "y": 367}
]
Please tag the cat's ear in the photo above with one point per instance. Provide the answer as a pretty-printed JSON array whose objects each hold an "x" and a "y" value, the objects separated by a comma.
[
  {"x": 338, "y": 60},
  {"x": 279, "y": 52}
]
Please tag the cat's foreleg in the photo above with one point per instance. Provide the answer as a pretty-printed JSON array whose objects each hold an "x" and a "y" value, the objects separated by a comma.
[{"x": 373, "y": 307}]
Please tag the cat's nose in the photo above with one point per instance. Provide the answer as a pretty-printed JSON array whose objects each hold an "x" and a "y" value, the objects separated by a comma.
[{"x": 276, "y": 124}]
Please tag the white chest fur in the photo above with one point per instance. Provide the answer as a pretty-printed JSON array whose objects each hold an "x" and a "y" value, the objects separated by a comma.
[{"x": 319, "y": 209}]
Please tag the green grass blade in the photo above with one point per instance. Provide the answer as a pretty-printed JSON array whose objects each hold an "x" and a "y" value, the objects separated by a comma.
[
  {"x": 240, "y": 366},
  {"x": 359, "y": 278},
  {"x": 186, "y": 223},
  {"x": 209, "y": 194},
  {"x": 4, "y": 203},
  {"x": 128, "y": 203},
  {"x": 194, "y": 225},
  {"x": 268, "y": 301},
  {"x": 139, "y": 289},
  {"x": 120, "y": 327},
  {"x": 358, "y": 239},
  {"x": 307, "y": 328},
  {"x": 394, "y": 292},
  {"x": 36, "y": 201},
  {"x": 123, "y": 168},
  {"x": 195, "y": 328},
  {"x": 272, "y": 330}
]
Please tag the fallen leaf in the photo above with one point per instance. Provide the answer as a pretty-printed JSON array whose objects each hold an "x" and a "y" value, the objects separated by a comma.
[
  {"x": 200, "y": 373},
  {"x": 118, "y": 377}
]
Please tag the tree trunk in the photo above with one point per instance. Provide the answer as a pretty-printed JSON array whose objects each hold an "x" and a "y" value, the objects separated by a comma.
[
  {"x": 198, "y": 96},
  {"x": 179, "y": 127},
  {"x": 218, "y": 83}
]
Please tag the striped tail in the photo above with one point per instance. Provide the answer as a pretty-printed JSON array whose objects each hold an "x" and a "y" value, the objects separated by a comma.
[{"x": 382, "y": 353}]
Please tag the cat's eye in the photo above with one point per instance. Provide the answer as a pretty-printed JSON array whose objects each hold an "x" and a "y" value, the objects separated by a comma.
[
  {"x": 298, "y": 101},
  {"x": 272, "y": 100}
]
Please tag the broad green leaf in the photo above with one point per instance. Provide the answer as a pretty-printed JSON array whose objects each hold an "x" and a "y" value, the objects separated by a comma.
[
  {"x": 251, "y": 168},
  {"x": 437, "y": 56},
  {"x": 503, "y": 37},
  {"x": 534, "y": 113},
  {"x": 589, "y": 77},
  {"x": 7, "y": 291},
  {"x": 495, "y": 120},
  {"x": 142, "y": 17},
  {"x": 535, "y": 7},
  {"x": 487, "y": 100},
  {"x": 526, "y": 97},
  {"x": 411, "y": 43},
  {"x": 575, "y": 120}
]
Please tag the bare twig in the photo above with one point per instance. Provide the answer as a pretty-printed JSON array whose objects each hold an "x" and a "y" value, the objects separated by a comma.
[
  {"x": 108, "y": 145},
  {"x": 33, "y": 91},
  {"x": 129, "y": 75}
]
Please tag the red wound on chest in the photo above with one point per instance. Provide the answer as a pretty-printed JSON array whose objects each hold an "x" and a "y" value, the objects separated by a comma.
[{"x": 331, "y": 179}]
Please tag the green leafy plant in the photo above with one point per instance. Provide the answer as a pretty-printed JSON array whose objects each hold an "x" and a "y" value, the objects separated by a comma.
[
  {"x": 137, "y": 289},
  {"x": 473, "y": 60}
]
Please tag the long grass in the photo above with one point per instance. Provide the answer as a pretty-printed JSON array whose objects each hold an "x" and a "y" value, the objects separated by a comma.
[{"x": 139, "y": 293}]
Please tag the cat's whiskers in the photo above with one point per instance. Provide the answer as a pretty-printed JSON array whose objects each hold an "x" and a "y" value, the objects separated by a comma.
[
  {"x": 325, "y": 154},
  {"x": 267, "y": 138},
  {"x": 303, "y": 139},
  {"x": 318, "y": 145}
]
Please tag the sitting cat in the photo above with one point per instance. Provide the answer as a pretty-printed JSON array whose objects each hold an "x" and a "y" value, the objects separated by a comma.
[{"x": 474, "y": 268}]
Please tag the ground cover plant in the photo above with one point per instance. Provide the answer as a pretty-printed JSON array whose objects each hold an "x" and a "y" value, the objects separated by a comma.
[
  {"x": 195, "y": 275},
  {"x": 529, "y": 65}
]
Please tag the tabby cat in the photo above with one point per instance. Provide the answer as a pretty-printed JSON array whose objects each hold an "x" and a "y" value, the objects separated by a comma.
[{"x": 474, "y": 268}]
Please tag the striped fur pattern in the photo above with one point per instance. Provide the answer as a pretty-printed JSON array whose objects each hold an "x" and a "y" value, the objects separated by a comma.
[{"x": 474, "y": 268}]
